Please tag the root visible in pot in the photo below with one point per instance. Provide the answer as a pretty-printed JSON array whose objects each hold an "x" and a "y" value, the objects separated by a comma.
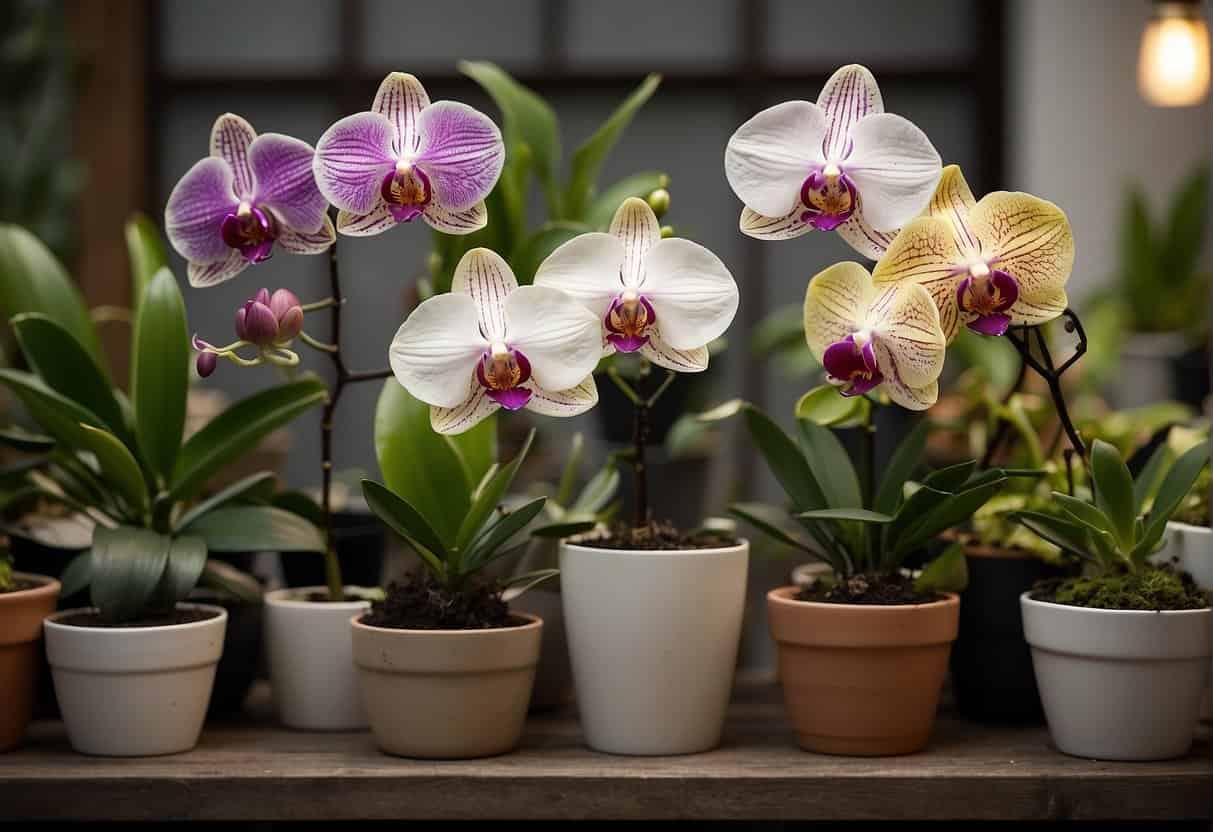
[
  {"x": 421, "y": 603},
  {"x": 868, "y": 589}
]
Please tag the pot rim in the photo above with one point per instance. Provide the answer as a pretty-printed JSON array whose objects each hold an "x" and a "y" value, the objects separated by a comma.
[
  {"x": 1189, "y": 528},
  {"x": 278, "y": 598},
  {"x": 51, "y": 622},
  {"x": 780, "y": 595},
  {"x": 534, "y": 622},
  {"x": 1025, "y": 599},
  {"x": 46, "y": 586},
  {"x": 742, "y": 544}
]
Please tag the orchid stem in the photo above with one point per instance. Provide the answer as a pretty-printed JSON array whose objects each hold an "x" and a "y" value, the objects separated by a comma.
[
  {"x": 317, "y": 345},
  {"x": 320, "y": 304},
  {"x": 1051, "y": 373},
  {"x": 640, "y": 435}
]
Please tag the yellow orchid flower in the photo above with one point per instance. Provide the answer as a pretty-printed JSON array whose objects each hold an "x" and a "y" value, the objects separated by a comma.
[
  {"x": 868, "y": 336},
  {"x": 993, "y": 264}
]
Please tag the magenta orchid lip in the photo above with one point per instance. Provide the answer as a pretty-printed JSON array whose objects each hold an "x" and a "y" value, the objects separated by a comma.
[
  {"x": 829, "y": 198},
  {"x": 851, "y": 364},
  {"x": 502, "y": 371},
  {"x": 628, "y": 320},
  {"x": 987, "y": 295}
]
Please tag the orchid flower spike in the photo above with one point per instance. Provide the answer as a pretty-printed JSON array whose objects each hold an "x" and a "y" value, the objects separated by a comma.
[
  {"x": 252, "y": 192},
  {"x": 842, "y": 163},
  {"x": 490, "y": 343},
  {"x": 665, "y": 299},
  {"x": 993, "y": 264},
  {"x": 407, "y": 158},
  {"x": 867, "y": 337}
]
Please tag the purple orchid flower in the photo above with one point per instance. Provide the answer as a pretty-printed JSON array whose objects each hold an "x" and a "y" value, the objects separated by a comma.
[
  {"x": 407, "y": 158},
  {"x": 251, "y": 193}
]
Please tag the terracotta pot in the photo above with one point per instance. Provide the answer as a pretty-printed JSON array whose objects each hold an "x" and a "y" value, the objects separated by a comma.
[
  {"x": 447, "y": 694},
  {"x": 21, "y": 615},
  {"x": 862, "y": 680}
]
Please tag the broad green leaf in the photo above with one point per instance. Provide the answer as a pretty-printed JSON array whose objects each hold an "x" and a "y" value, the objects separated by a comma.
[
  {"x": 950, "y": 478},
  {"x": 146, "y": 252},
  {"x": 186, "y": 558},
  {"x": 946, "y": 514},
  {"x": 603, "y": 209},
  {"x": 127, "y": 563},
  {"x": 77, "y": 575},
  {"x": 831, "y": 465},
  {"x": 229, "y": 580},
  {"x": 1175, "y": 486},
  {"x": 259, "y": 486},
  {"x": 1147, "y": 482},
  {"x": 301, "y": 503},
  {"x": 119, "y": 467},
  {"x": 947, "y": 573},
  {"x": 863, "y": 515},
  {"x": 1082, "y": 512},
  {"x": 497, "y": 534},
  {"x": 924, "y": 500},
  {"x": 568, "y": 474},
  {"x": 560, "y": 530},
  {"x": 588, "y": 158},
  {"x": 238, "y": 430},
  {"x": 32, "y": 280},
  {"x": 1113, "y": 490},
  {"x": 20, "y": 439},
  {"x": 476, "y": 449},
  {"x": 66, "y": 366},
  {"x": 1061, "y": 533},
  {"x": 532, "y": 250},
  {"x": 160, "y": 359},
  {"x": 785, "y": 460},
  {"x": 420, "y": 466},
  {"x": 520, "y": 584},
  {"x": 901, "y": 467},
  {"x": 488, "y": 496},
  {"x": 526, "y": 119},
  {"x": 407, "y": 522},
  {"x": 256, "y": 529},
  {"x": 824, "y": 405},
  {"x": 55, "y": 413},
  {"x": 598, "y": 492},
  {"x": 767, "y": 520}
]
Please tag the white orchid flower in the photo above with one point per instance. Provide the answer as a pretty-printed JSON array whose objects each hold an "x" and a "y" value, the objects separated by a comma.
[
  {"x": 842, "y": 163},
  {"x": 665, "y": 299},
  {"x": 490, "y": 343}
]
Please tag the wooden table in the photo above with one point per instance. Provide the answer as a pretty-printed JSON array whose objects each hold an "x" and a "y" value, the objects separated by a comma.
[{"x": 250, "y": 769}]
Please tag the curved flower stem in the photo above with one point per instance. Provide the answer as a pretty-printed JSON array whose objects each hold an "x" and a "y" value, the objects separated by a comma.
[
  {"x": 1051, "y": 373},
  {"x": 640, "y": 436},
  {"x": 316, "y": 344}
]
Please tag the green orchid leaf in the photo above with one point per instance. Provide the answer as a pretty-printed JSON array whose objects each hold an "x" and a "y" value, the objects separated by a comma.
[
  {"x": 493, "y": 542},
  {"x": 862, "y": 515},
  {"x": 767, "y": 520},
  {"x": 785, "y": 460},
  {"x": 20, "y": 439},
  {"x": 476, "y": 449},
  {"x": 127, "y": 564},
  {"x": 77, "y": 575},
  {"x": 532, "y": 250},
  {"x": 1083, "y": 513},
  {"x": 118, "y": 466},
  {"x": 568, "y": 474},
  {"x": 1113, "y": 490},
  {"x": 488, "y": 496},
  {"x": 242, "y": 528},
  {"x": 160, "y": 360},
  {"x": 257, "y": 487},
  {"x": 1175, "y": 486},
  {"x": 823, "y": 405},
  {"x": 831, "y": 465},
  {"x": 556, "y": 531},
  {"x": 520, "y": 584},
  {"x": 950, "y": 478},
  {"x": 598, "y": 493},
  {"x": 146, "y": 251},
  {"x": 905, "y": 460},
  {"x": 408, "y": 522},
  {"x": 949, "y": 572},
  {"x": 228, "y": 580},
  {"x": 238, "y": 430},
  {"x": 186, "y": 558},
  {"x": 953, "y": 510},
  {"x": 640, "y": 185},
  {"x": 1061, "y": 533},
  {"x": 55, "y": 413},
  {"x": 1147, "y": 482}
]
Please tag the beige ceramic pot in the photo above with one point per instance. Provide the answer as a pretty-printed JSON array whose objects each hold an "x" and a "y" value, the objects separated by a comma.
[
  {"x": 21, "y": 615},
  {"x": 447, "y": 694},
  {"x": 862, "y": 680}
]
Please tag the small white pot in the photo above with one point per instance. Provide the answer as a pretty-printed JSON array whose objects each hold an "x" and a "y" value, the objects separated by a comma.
[
  {"x": 1190, "y": 548},
  {"x": 653, "y": 640},
  {"x": 1119, "y": 684},
  {"x": 312, "y": 660},
  {"x": 134, "y": 691}
]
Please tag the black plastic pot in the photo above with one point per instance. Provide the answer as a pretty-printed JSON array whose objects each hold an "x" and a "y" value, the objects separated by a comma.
[
  {"x": 992, "y": 676},
  {"x": 361, "y": 542},
  {"x": 241, "y": 659}
]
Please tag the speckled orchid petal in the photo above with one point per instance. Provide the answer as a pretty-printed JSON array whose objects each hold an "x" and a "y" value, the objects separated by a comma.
[
  {"x": 861, "y": 236},
  {"x": 461, "y": 151},
  {"x": 637, "y": 228},
  {"x": 563, "y": 403},
  {"x": 905, "y": 395},
  {"x": 352, "y": 158},
  {"x": 692, "y": 291},
  {"x": 231, "y": 136},
  {"x": 849, "y": 95},
  {"x": 587, "y": 268},
  {"x": 485, "y": 277},
  {"x": 476, "y": 406},
  {"x": 203, "y": 275},
  {"x": 283, "y": 181},
  {"x": 300, "y": 242},
  {"x": 925, "y": 253},
  {"x": 401, "y": 98},
  {"x": 436, "y": 349},
  {"x": 895, "y": 168},
  {"x": 791, "y": 225},
  {"x": 440, "y": 218},
  {"x": 196, "y": 209},
  {"x": 680, "y": 361},
  {"x": 905, "y": 320},
  {"x": 560, "y": 337},
  {"x": 953, "y": 202},
  {"x": 835, "y": 305},
  {"x": 378, "y": 220},
  {"x": 767, "y": 158}
]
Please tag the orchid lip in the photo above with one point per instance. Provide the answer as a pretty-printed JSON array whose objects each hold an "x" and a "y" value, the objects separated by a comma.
[
  {"x": 502, "y": 371},
  {"x": 987, "y": 295},
  {"x": 251, "y": 231},
  {"x": 628, "y": 319},
  {"x": 407, "y": 191},
  {"x": 851, "y": 364},
  {"x": 829, "y": 197}
]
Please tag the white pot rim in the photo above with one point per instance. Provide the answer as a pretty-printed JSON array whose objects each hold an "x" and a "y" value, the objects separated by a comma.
[
  {"x": 742, "y": 543},
  {"x": 52, "y": 622},
  {"x": 533, "y": 622},
  {"x": 1188, "y": 527},
  {"x": 282, "y": 598},
  {"x": 1027, "y": 599}
]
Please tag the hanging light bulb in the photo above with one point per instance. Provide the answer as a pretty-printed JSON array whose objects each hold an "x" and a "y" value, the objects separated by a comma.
[{"x": 1173, "y": 68}]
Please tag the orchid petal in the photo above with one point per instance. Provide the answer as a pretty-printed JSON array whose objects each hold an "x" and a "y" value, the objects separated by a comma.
[
  {"x": 561, "y": 339},
  {"x": 283, "y": 181},
  {"x": 680, "y": 361},
  {"x": 692, "y": 292},
  {"x": 563, "y": 403},
  {"x": 378, "y": 220},
  {"x": 352, "y": 158},
  {"x": 636, "y": 225},
  {"x": 202, "y": 275},
  {"x": 925, "y": 253},
  {"x": 196, "y": 208},
  {"x": 587, "y": 268},
  {"x": 484, "y": 275},
  {"x": 836, "y": 305},
  {"x": 401, "y": 98},
  {"x": 436, "y": 349},
  {"x": 1029, "y": 238},
  {"x": 894, "y": 167},
  {"x": 769, "y": 157},
  {"x": 231, "y": 136},
  {"x": 861, "y": 236},
  {"x": 849, "y": 95},
  {"x": 1038, "y": 307},
  {"x": 441, "y": 218},
  {"x": 953, "y": 201},
  {"x": 909, "y": 397},
  {"x": 906, "y": 321},
  {"x": 789, "y": 226},
  {"x": 300, "y": 242},
  {"x": 474, "y": 409},
  {"x": 461, "y": 151}
]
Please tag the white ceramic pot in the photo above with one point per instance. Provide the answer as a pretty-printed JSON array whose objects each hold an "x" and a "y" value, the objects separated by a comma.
[
  {"x": 312, "y": 661},
  {"x": 134, "y": 691},
  {"x": 1119, "y": 684},
  {"x": 1190, "y": 549},
  {"x": 653, "y": 640},
  {"x": 447, "y": 694}
]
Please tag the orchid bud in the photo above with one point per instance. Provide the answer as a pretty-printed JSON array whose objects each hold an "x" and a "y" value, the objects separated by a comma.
[
  {"x": 262, "y": 296},
  {"x": 260, "y": 325},
  {"x": 241, "y": 333},
  {"x": 290, "y": 324},
  {"x": 206, "y": 364},
  {"x": 659, "y": 201},
  {"x": 282, "y": 301},
  {"x": 667, "y": 231}
]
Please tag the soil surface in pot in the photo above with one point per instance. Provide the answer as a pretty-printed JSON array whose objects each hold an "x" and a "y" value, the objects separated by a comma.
[
  {"x": 323, "y": 598},
  {"x": 656, "y": 536},
  {"x": 94, "y": 619},
  {"x": 870, "y": 589},
  {"x": 1149, "y": 589},
  {"x": 20, "y": 585},
  {"x": 421, "y": 603}
]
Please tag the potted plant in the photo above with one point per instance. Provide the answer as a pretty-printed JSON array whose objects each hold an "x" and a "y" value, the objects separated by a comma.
[
  {"x": 1129, "y": 644},
  {"x": 25, "y": 600}
]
